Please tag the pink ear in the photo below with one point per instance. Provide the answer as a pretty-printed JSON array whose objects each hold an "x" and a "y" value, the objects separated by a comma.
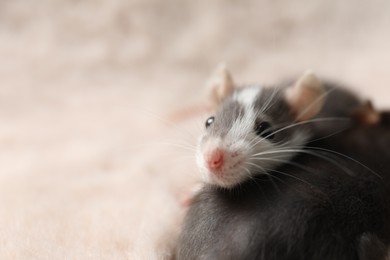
[
  {"x": 305, "y": 96},
  {"x": 366, "y": 114},
  {"x": 220, "y": 85}
]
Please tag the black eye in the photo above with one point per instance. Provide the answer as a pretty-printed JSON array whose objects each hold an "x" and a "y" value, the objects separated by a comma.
[
  {"x": 264, "y": 130},
  {"x": 209, "y": 121}
]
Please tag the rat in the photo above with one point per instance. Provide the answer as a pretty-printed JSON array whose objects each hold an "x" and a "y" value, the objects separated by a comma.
[
  {"x": 255, "y": 129},
  {"x": 333, "y": 206}
]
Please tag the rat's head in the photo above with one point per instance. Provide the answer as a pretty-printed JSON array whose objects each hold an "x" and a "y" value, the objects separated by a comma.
[{"x": 254, "y": 129}]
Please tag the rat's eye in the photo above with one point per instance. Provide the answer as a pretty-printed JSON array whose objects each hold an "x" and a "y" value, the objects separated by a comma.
[
  {"x": 209, "y": 121},
  {"x": 264, "y": 130}
]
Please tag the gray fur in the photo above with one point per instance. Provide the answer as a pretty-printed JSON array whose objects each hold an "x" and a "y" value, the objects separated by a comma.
[{"x": 228, "y": 112}]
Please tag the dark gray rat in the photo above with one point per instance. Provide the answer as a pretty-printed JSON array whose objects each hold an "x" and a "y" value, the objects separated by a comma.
[
  {"x": 331, "y": 202},
  {"x": 287, "y": 175}
]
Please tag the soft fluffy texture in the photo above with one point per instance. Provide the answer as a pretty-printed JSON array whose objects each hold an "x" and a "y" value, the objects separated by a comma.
[{"x": 99, "y": 101}]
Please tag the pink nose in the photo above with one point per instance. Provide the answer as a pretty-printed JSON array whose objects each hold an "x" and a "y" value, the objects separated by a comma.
[{"x": 214, "y": 159}]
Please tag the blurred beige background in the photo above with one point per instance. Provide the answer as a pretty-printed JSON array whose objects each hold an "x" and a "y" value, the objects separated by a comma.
[{"x": 92, "y": 163}]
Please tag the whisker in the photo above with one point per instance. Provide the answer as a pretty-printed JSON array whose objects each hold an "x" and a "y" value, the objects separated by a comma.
[
  {"x": 309, "y": 121},
  {"x": 291, "y": 176},
  {"x": 347, "y": 157},
  {"x": 262, "y": 139},
  {"x": 332, "y": 152},
  {"x": 267, "y": 170},
  {"x": 270, "y": 176},
  {"x": 278, "y": 150},
  {"x": 329, "y": 135},
  {"x": 257, "y": 166},
  {"x": 299, "y": 179},
  {"x": 255, "y": 142},
  {"x": 266, "y": 173},
  {"x": 300, "y": 166},
  {"x": 310, "y": 153},
  {"x": 318, "y": 99},
  {"x": 247, "y": 170},
  {"x": 279, "y": 179},
  {"x": 272, "y": 98}
]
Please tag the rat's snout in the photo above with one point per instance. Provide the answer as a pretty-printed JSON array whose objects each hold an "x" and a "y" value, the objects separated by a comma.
[{"x": 215, "y": 159}]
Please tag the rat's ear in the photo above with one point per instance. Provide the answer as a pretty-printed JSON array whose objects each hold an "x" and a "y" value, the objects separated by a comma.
[
  {"x": 219, "y": 85},
  {"x": 366, "y": 114},
  {"x": 306, "y": 96}
]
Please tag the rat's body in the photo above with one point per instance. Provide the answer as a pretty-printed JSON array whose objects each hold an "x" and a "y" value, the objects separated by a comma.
[
  {"x": 328, "y": 207},
  {"x": 268, "y": 197}
]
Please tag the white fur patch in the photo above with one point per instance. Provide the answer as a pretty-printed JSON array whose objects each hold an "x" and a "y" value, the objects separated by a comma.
[
  {"x": 247, "y": 96},
  {"x": 244, "y": 125}
]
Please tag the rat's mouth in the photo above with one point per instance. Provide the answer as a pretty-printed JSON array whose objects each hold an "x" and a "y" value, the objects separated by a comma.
[
  {"x": 230, "y": 175},
  {"x": 228, "y": 168}
]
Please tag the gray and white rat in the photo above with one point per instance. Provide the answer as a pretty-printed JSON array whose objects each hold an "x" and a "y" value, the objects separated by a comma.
[{"x": 326, "y": 200}]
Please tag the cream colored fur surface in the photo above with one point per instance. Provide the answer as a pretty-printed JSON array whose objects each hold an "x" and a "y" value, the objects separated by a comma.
[{"x": 99, "y": 101}]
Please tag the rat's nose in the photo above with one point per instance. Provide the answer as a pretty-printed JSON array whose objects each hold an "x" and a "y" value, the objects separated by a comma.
[{"x": 214, "y": 159}]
